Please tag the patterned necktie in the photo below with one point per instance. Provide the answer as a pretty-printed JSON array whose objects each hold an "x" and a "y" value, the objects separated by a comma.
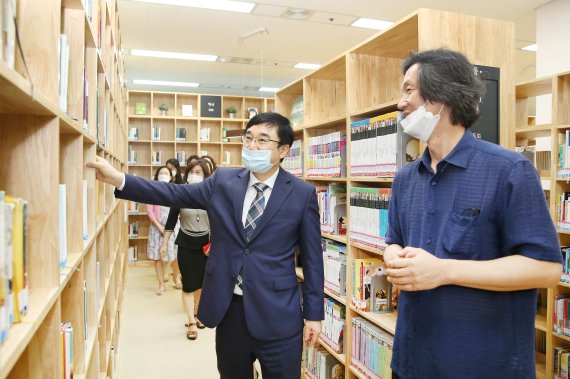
[{"x": 253, "y": 217}]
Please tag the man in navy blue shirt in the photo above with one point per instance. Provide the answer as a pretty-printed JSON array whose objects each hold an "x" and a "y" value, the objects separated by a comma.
[{"x": 470, "y": 236}]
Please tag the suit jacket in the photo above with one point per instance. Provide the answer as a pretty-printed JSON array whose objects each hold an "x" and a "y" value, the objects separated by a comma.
[{"x": 270, "y": 292}]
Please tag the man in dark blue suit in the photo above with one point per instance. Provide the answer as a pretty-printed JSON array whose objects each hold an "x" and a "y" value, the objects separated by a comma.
[{"x": 258, "y": 216}]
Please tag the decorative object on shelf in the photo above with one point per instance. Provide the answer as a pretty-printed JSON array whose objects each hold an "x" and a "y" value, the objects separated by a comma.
[
  {"x": 163, "y": 109},
  {"x": 252, "y": 111},
  {"x": 140, "y": 108},
  {"x": 231, "y": 111}
]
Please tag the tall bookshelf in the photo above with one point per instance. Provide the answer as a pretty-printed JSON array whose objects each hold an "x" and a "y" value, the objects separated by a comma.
[
  {"x": 43, "y": 147},
  {"x": 365, "y": 82},
  {"x": 195, "y": 142},
  {"x": 528, "y": 131}
]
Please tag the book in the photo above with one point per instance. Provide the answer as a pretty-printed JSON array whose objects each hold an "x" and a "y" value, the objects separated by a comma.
[
  {"x": 140, "y": 108},
  {"x": 180, "y": 134},
  {"x": 66, "y": 333},
  {"x": 9, "y": 10},
  {"x": 187, "y": 110},
  {"x": 133, "y": 254},
  {"x": 62, "y": 226},
  {"x": 63, "y": 71},
  {"x": 133, "y": 134},
  {"x": 156, "y": 133}
]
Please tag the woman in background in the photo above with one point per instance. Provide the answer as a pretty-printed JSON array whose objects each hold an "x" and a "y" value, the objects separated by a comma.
[
  {"x": 191, "y": 159},
  {"x": 174, "y": 166},
  {"x": 158, "y": 216},
  {"x": 211, "y": 162},
  {"x": 192, "y": 240}
]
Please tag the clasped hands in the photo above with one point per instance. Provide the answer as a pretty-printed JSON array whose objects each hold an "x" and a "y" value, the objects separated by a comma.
[{"x": 414, "y": 269}]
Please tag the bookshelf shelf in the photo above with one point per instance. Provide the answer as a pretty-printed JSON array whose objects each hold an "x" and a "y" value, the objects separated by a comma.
[
  {"x": 561, "y": 336},
  {"x": 363, "y": 179},
  {"x": 29, "y": 118},
  {"x": 341, "y": 239},
  {"x": 138, "y": 238},
  {"x": 340, "y": 299},
  {"x": 324, "y": 179},
  {"x": 337, "y": 121},
  {"x": 563, "y": 284},
  {"x": 356, "y": 372},
  {"x": 386, "y": 321},
  {"x": 563, "y": 127},
  {"x": 369, "y": 249},
  {"x": 540, "y": 322},
  {"x": 339, "y": 357}
]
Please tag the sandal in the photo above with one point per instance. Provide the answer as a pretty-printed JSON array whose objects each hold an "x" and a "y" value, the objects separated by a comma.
[
  {"x": 159, "y": 291},
  {"x": 191, "y": 334},
  {"x": 178, "y": 284},
  {"x": 198, "y": 323}
]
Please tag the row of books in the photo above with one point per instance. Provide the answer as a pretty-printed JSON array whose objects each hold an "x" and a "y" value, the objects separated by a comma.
[
  {"x": 320, "y": 364},
  {"x": 133, "y": 134},
  {"x": 293, "y": 161},
  {"x": 181, "y": 157},
  {"x": 565, "y": 250},
  {"x": 334, "y": 260},
  {"x": 327, "y": 155},
  {"x": 371, "y": 349},
  {"x": 374, "y": 146},
  {"x": 133, "y": 254},
  {"x": 371, "y": 290},
  {"x": 14, "y": 281},
  {"x": 156, "y": 157},
  {"x": 133, "y": 156},
  {"x": 156, "y": 133},
  {"x": 8, "y": 10},
  {"x": 369, "y": 215},
  {"x": 563, "y": 211},
  {"x": 141, "y": 109},
  {"x": 332, "y": 333},
  {"x": 133, "y": 207},
  {"x": 562, "y": 362},
  {"x": 134, "y": 229},
  {"x": 564, "y": 155},
  {"x": 205, "y": 134},
  {"x": 332, "y": 208}
]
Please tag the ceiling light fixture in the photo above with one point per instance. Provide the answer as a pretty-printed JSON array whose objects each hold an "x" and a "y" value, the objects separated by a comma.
[
  {"x": 268, "y": 89},
  {"x": 171, "y": 55},
  {"x": 307, "y": 66},
  {"x": 370, "y": 23},
  {"x": 219, "y": 5},
  {"x": 297, "y": 13},
  {"x": 532, "y": 47},
  {"x": 163, "y": 83}
]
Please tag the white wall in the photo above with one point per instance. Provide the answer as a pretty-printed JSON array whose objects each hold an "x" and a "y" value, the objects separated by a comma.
[{"x": 553, "y": 55}]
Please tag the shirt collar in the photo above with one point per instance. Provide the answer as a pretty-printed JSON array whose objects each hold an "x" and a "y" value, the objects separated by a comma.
[
  {"x": 269, "y": 181},
  {"x": 460, "y": 154}
]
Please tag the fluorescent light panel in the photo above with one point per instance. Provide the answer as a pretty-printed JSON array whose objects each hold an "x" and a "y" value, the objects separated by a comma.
[
  {"x": 171, "y": 55},
  {"x": 530, "y": 47},
  {"x": 268, "y": 89},
  {"x": 308, "y": 66},
  {"x": 219, "y": 5},
  {"x": 370, "y": 23},
  {"x": 163, "y": 83}
]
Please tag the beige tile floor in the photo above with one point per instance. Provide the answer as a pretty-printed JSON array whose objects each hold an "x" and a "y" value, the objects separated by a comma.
[{"x": 153, "y": 342}]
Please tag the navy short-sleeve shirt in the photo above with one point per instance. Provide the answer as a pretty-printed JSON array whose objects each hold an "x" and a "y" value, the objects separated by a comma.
[{"x": 485, "y": 202}]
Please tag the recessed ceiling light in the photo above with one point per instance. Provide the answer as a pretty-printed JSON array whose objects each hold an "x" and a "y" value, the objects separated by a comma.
[
  {"x": 370, "y": 23},
  {"x": 307, "y": 66},
  {"x": 297, "y": 13},
  {"x": 220, "y": 5},
  {"x": 171, "y": 55},
  {"x": 532, "y": 47},
  {"x": 268, "y": 89},
  {"x": 163, "y": 83}
]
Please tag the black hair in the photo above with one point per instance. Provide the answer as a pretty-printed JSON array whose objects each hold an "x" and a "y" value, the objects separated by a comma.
[
  {"x": 284, "y": 130},
  {"x": 448, "y": 77},
  {"x": 202, "y": 163},
  {"x": 176, "y": 164},
  {"x": 191, "y": 158}
]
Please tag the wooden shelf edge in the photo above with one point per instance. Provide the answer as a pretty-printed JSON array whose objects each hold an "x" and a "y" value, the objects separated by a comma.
[
  {"x": 326, "y": 122},
  {"x": 369, "y": 249},
  {"x": 386, "y": 321},
  {"x": 341, "y": 357},
  {"x": 337, "y": 238}
]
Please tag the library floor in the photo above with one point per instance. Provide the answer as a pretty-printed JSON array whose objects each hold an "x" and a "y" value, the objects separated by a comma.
[{"x": 153, "y": 342}]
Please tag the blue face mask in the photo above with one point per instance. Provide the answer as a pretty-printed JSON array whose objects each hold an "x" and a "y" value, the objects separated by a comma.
[{"x": 257, "y": 161}]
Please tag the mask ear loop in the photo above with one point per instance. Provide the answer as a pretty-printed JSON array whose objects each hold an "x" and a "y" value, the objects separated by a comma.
[{"x": 442, "y": 105}]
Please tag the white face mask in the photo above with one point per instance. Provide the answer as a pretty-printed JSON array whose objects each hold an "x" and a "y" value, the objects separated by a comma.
[
  {"x": 173, "y": 172},
  {"x": 164, "y": 178},
  {"x": 420, "y": 123},
  {"x": 193, "y": 178}
]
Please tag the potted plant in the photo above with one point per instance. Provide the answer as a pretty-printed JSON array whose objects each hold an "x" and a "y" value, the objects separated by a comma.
[
  {"x": 163, "y": 109},
  {"x": 231, "y": 111}
]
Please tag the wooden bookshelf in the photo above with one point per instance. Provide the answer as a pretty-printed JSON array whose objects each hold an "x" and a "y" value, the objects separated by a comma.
[
  {"x": 216, "y": 146},
  {"x": 44, "y": 139},
  {"x": 365, "y": 82},
  {"x": 525, "y": 131}
]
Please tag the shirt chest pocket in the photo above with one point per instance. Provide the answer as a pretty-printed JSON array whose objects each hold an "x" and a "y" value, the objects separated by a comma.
[{"x": 459, "y": 234}]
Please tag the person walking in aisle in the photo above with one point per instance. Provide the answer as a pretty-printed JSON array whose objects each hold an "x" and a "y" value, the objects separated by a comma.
[
  {"x": 174, "y": 167},
  {"x": 192, "y": 241},
  {"x": 470, "y": 236},
  {"x": 259, "y": 216},
  {"x": 158, "y": 216}
]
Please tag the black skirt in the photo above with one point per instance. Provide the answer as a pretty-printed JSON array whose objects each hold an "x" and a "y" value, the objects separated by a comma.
[{"x": 192, "y": 263}]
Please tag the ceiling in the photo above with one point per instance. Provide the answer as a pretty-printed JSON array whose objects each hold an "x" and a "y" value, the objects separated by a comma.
[{"x": 324, "y": 35}]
